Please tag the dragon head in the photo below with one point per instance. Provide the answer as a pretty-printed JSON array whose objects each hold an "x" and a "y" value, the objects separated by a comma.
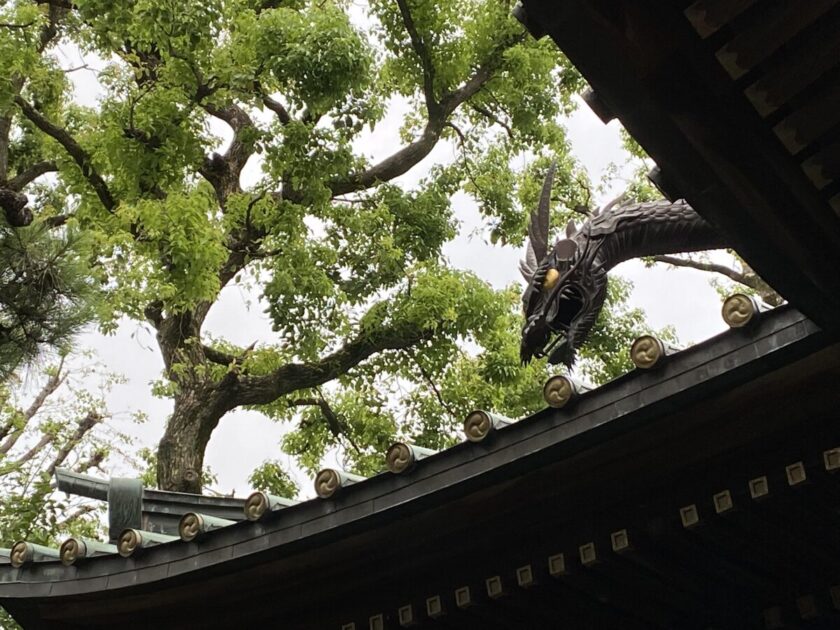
[{"x": 566, "y": 288}]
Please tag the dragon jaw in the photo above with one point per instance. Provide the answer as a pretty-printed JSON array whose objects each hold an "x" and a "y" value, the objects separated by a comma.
[{"x": 559, "y": 315}]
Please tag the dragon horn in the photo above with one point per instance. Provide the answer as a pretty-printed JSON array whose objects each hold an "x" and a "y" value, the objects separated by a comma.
[{"x": 538, "y": 226}]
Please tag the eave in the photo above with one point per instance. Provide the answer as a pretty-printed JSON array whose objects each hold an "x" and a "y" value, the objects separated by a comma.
[
  {"x": 711, "y": 90},
  {"x": 474, "y": 511}
]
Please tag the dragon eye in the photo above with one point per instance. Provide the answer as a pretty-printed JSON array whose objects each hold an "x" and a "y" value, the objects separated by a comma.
[{"x": 551, "y": 278}]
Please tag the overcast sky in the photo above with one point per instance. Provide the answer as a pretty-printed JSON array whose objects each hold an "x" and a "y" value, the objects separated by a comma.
[{"x": 681, "y": 298}]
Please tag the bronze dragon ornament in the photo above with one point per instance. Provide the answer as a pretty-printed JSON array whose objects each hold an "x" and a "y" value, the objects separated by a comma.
[{"x": 567, "y": 284}]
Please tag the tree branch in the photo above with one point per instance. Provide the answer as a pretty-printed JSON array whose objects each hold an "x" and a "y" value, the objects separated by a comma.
[
  {"x": 217, "y": 356},
  {"x": 261, "y": 390},
  {"x": 90, "y": 420},
  {"x": 394, "y": 165},
  {"x": 337, "y": 427},
  {"x": 747, "y": 277},
  {"x": 223, "y": 171},
  {"x": 76, "y": 514},
  {"x": 60, "y": 4},
  {"x": 15, "y": 26},
  {"x": 493, "y": 118},
  {"x": 74, "y": 149},
  {"x": 730, "y": 273},
  {"x": 422, "y": 53},
  {"x": 277, "y": 107},
  {"x": 53, "y": 383},
  {"x": 333, "y": 423},
  {"x": 410, "y": 155},
  {"x": 432, "y": 385},
  {"x": 19, "y": 181}
]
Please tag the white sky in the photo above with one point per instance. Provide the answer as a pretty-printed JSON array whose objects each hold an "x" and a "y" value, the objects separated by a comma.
[{"x": 681, "y": 298}]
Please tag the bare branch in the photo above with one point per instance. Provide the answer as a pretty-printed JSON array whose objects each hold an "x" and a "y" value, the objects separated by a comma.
[
  {"x": 747, "y": 277},
  {"x": 58, "y": 220},
  {"x": 94, "y": 461},
  {"x": 260, "y": 390},
  {"x": 53, "y": 383},
  {"x": 730, "y": 273},
  {"x": 277, "y": 107},
  {"x": 40, "y": 445},
  {"x": 15, "y": 26},
  {"x": 19, "y": 181},
  {"x": 432, "y": 385},
  {"x": 80, "y": 511},
  {"x": 410, "y": 155},
  {"x": 217, "y": 356},
  {"x": 335, "y": 424},
  {"x": 73, "y": 148},
  {"x": 493, "y": 118},
  {"x": 223, "y": 171},
  {"x": 90, "y": 420},
  {"x": 394, "y": 165},
  {"x": 482, "y": 75},
  {"x": 422, "y": 53}
]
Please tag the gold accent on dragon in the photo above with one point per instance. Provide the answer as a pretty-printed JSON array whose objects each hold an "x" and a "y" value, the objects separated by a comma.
[{"x": 551, "y": 278}]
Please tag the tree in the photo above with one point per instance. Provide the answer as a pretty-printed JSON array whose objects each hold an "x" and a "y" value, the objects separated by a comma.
[
  {"x": 735, "y": 273},
  {"x": 55, "y": 421},
  {"x": 371, "y": 322},
  {"x": 46, "y": 293},
  {"x": 60, "y": 423}
]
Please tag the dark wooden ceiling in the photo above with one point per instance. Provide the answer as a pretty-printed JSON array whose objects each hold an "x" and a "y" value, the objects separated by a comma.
[{"x": 738, "y": 101}]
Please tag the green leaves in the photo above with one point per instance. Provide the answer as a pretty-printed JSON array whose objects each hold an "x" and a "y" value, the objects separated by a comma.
[
  {"x": 231, "y": 140},
  {"x": 46, "y": 294},
  {"x": 313, "y": 56},
  {"x": 270, "y": 477}
]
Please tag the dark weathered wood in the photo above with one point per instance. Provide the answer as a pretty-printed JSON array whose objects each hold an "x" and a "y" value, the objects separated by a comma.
[
  {"x": 672, "y": 95},
  {"x": 824, "y": 167},
  {"x": 795, "y": 72},
  {"x": 623, "y": 459},
  {"x": 707, "y": 16},
  {"x": 771, "y": 30},
  {"x": 809, "y": 122}
]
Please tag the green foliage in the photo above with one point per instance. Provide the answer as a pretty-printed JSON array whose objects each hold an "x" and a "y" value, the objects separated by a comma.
[
  {"x": 59, "y": 423},
  {"x": 347, "y": 256},
  {"x": 46, "y": 294},
  {"x": 270, "y": 477}
]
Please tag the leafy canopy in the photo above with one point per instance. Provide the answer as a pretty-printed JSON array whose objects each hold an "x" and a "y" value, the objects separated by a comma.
[{"x": 231, "y": 142}]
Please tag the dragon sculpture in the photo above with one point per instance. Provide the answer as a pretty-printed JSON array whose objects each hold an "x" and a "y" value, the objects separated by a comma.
[{"x": 567, "y": 284}]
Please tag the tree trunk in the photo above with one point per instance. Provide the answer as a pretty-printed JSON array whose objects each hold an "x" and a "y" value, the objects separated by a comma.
[{"x": 198, "y": 409}]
